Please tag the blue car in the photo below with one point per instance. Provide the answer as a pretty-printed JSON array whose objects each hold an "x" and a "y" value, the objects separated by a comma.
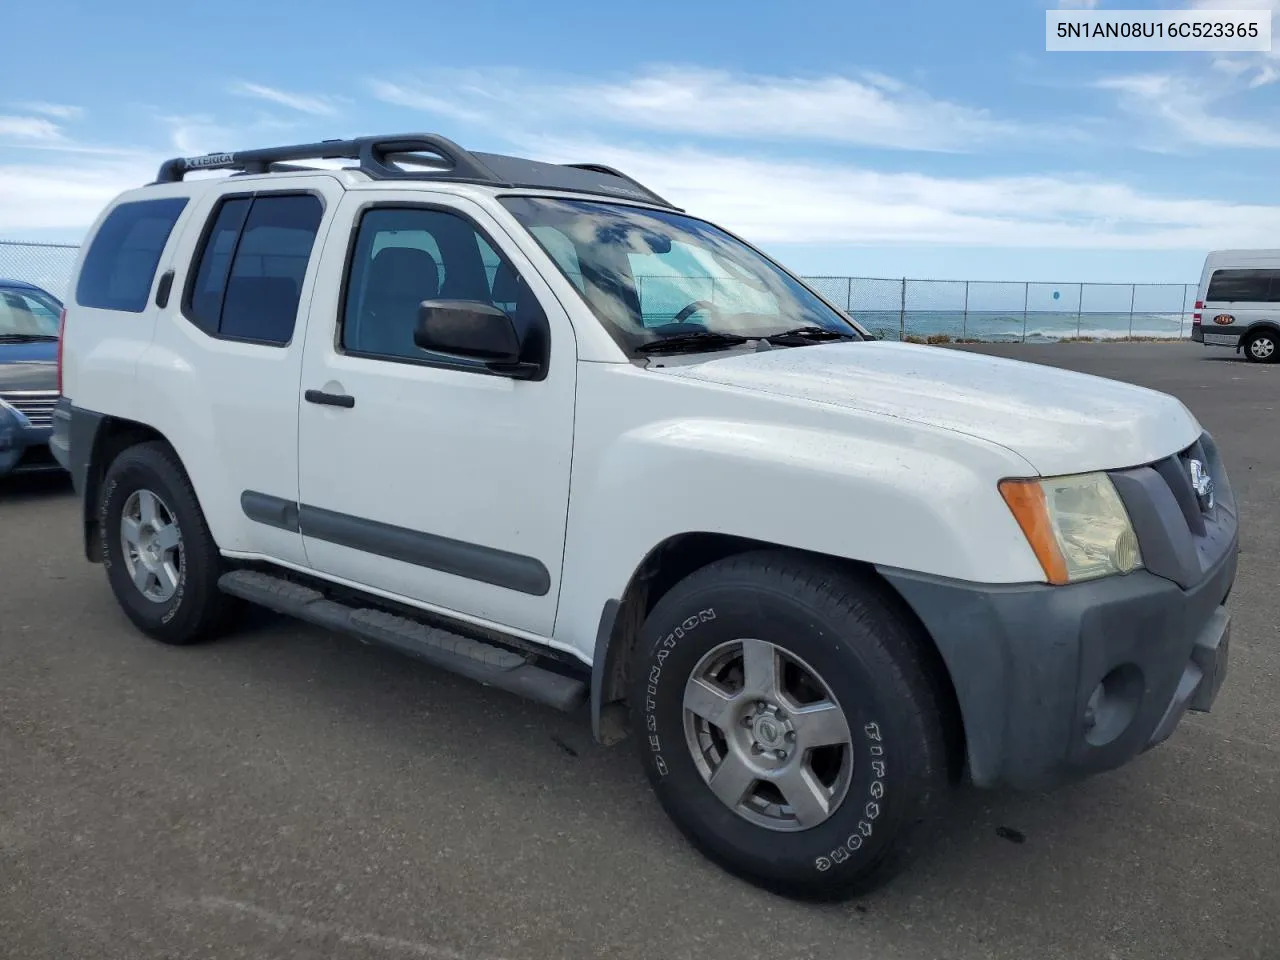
[{"x": 29, "y": 330}]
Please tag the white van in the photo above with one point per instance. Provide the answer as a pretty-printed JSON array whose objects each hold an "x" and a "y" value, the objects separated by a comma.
[{"x": 1239, "y": 292}]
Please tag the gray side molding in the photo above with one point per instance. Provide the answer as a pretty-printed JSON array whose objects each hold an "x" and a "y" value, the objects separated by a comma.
[{"x": 473, "y": 561}]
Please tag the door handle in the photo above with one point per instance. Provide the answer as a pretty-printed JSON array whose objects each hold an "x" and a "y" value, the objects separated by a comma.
[
  {"x": 330, "y": 399},
  {"x": 162, "y": 291}
]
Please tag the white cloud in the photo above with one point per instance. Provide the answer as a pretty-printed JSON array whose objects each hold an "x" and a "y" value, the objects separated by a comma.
[
  {"x": 780, "y": 202},
  {"x": 314, "y": 104},
  {"x": 869, "y": 110},
  {"x": 421, "y": 98},
  {"x": 63, "y": 196},
  {"x": 194, "y": 134},
  {"x": 1257, "y": 70},
  {"x": 1262, "y": 66},
  {"x": 1266, "y": 74},
  {"x": 1078, "y": 4},
  {"x": 771, "y": 201},
  {"x": 1182, "y": 107},
  {"x": 768, "y": 200},
  {"x": 59, "y": 111},
  {"x": 36, "y": 129}
]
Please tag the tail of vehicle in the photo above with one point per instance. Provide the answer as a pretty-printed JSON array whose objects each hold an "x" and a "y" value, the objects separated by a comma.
[{"x": 62, "y": 338}]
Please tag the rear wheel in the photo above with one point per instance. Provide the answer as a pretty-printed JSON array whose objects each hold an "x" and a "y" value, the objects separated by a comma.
[
  {"x": 1263, "y": 347},
  {"x": 162, "y": 562},
  {"x": 790, "y": 724}
]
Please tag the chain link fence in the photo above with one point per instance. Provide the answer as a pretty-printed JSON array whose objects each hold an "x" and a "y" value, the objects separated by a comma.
[
  {"x": 1013, "y": 311},
  {"x": 47, "y": 265},
  {"x": 979, "y": 310}
]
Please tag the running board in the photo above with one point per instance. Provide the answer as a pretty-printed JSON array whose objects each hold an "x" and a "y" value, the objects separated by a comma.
[{"x": 490, "y": 665}]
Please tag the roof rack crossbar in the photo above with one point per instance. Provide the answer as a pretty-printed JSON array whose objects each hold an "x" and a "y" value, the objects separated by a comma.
[
  {"x": 374, "y": 154},
  {"x": 601, "y": 168},
  {"x": 417, "y": 156}
]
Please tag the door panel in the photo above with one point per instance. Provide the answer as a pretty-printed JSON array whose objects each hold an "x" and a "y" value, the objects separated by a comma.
[
  {"x": 419, "y": 476},
  {"x": 226, "y": 359}
]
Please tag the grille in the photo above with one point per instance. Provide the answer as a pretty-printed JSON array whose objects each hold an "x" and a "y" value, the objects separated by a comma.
[
  {"x": 35, "y": 405},
  {"x": 1175, "y": 471},
  {"x": 1181, "y": 538}
]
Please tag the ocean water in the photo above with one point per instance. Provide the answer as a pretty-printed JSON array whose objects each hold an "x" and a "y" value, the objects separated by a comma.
[{"x": 1034, "y": 326}]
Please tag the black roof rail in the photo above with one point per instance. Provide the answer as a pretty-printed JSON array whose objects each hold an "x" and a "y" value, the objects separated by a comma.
[
  {"x": 433, "y": 157},
  {"x": 601, "y": 168}
]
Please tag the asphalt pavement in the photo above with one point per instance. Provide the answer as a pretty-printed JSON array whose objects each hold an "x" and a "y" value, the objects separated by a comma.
[{"x": 289, "y": 793}]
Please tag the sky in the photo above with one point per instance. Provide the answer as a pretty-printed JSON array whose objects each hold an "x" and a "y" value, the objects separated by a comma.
[{"x": 917, "y": 138}]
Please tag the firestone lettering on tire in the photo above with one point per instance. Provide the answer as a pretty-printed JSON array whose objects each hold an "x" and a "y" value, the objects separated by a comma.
[{"x": 871, "y": 810}]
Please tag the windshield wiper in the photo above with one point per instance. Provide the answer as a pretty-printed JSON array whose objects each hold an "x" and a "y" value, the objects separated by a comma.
[
  {"x": 810, "y": 334},
  {"x": 27, "y": 338},
  {"x": 702, "y": 340}
]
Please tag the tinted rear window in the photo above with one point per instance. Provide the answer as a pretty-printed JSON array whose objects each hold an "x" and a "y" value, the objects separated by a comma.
[
  {"x": 121, "y": 263},
  {"x": 1244, "y": 286},
  {"x": 250, "y": 270}
]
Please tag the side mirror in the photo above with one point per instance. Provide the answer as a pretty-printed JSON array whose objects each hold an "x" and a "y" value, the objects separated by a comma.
[{"x": 475, "y": 330}]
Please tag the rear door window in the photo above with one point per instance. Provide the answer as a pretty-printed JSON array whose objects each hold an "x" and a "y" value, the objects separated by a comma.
[
  {"x": 1244, "y": 286},
  {"x": 120, "y": 265},
  {"x": 250, "y": 268}
]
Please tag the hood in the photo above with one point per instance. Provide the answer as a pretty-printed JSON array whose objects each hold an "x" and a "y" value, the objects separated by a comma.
[
  {"x": 1057, "y": 420},
  {"x": 28, "y": 366}
]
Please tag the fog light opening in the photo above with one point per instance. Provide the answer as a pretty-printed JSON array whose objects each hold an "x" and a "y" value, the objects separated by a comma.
[{"x": 1113, "y": 705}]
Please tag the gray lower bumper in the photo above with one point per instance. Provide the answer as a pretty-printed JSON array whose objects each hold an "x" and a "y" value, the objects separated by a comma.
[
  {"x": 1057, "y": 683},
  {"x": 60, "y": 438}
]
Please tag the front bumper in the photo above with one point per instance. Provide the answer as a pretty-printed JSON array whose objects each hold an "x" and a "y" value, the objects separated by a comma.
[{"x": 1057, "y": 683}]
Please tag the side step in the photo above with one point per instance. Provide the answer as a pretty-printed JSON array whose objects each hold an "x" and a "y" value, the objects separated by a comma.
[{"x": 484, "y": 662}]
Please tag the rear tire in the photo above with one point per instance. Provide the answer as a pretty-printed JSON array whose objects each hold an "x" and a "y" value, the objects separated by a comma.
[
  {"x": 162, "y": 562},
  {"x": 1263, "y": 347},
  {"x": 816, "y": 822}
]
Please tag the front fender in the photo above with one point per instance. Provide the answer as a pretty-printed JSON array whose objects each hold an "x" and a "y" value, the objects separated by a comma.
[{"x": 843, "y": 484}]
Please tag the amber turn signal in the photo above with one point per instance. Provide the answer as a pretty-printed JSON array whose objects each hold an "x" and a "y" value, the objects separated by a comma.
[{"x": 1026, "y": 500}]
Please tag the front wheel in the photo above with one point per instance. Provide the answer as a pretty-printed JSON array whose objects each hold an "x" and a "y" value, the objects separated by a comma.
[
  {"x": 790, "y": 725},
  {"x": 1263, "y": 347}
]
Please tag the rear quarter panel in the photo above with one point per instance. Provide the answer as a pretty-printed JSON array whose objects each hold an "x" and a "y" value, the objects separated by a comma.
[{"x": 101, "y": 347}]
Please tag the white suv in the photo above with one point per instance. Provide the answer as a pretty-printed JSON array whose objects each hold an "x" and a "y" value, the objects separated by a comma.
[{"x": 533, "y": 424}]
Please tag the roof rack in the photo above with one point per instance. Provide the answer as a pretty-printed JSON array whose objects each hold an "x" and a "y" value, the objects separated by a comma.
[{"x": 432, "y": 158}]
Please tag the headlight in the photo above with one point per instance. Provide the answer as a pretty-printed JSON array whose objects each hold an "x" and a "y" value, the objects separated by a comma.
[{"x": 1077, "y": 526}]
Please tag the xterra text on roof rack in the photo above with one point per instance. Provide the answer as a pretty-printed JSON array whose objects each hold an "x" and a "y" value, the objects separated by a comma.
[{"x": 533, "y": 424}]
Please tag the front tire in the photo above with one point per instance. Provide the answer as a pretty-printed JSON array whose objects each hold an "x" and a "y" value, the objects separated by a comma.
[
  {"x": 790, "y": 724},
  {"x": 162, "y": 562}
]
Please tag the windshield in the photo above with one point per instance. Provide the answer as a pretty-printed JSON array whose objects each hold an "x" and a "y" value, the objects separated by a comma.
[
  {"x": 28, "y": 313},
  {"x": 650, "y": 274}
]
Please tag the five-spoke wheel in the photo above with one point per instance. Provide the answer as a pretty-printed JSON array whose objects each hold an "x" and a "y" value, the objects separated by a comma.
[
  {"x": 152, "y": 546},
  {"x": 767, "y": 734},
  {"x": 790, "y": 723}
]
